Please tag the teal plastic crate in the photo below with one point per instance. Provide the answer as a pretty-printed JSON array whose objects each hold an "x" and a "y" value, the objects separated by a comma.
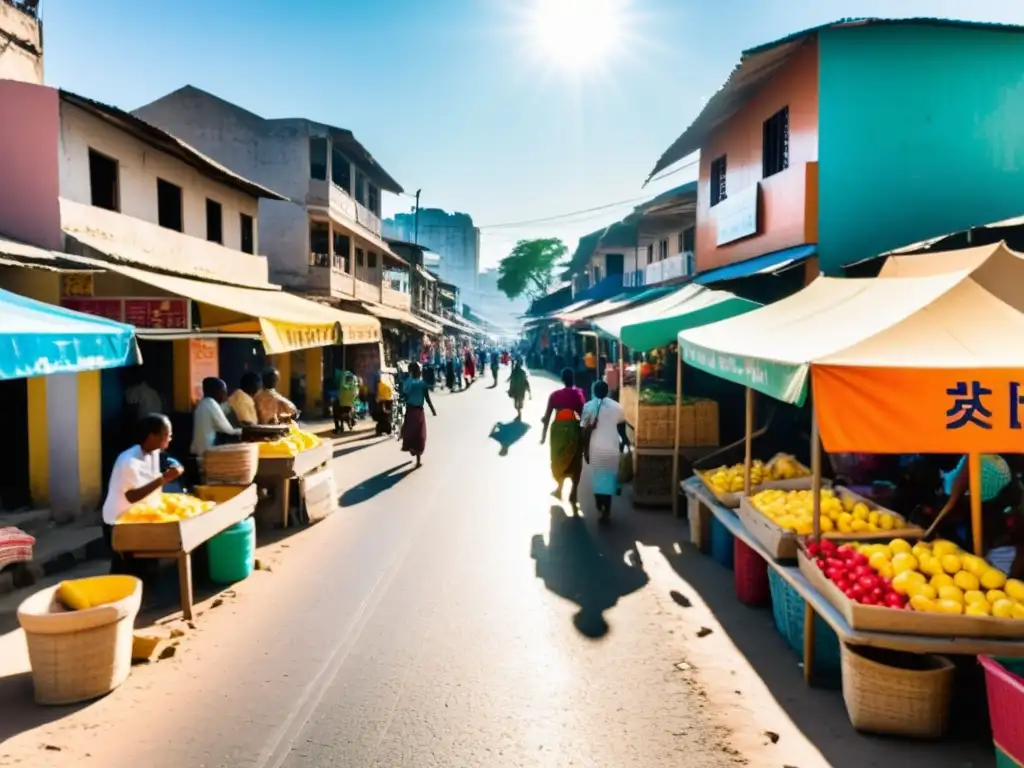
[
  {"x": 788, "y": 610},
  {"x": 721, "y": 544}
]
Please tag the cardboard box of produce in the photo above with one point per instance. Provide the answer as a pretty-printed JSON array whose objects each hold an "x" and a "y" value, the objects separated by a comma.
[{"x": 781, "y": 472}]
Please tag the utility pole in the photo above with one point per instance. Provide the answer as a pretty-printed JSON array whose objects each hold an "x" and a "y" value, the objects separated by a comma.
[{"x": 416, "y": 220}]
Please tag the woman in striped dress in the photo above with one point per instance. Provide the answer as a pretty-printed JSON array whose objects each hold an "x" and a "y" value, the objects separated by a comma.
[{"x": 607, "y": 441}]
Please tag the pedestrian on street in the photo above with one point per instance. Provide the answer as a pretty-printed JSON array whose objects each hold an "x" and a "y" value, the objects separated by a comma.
[
  {"x": 458, "y": 370},
  {"x": 495, "y": 360},
  {"x": 470, "y": 367},
  {"x": 566, "y": 405},
  {"x": 519, "y": 388},
  {"x": 606, "y": 421},
  {"x": 414, "y": 428},
  {"x": 449, "y": 374}
]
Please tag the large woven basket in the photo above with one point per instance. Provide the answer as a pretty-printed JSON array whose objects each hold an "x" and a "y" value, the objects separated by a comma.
[
  {"x": 78, "y": 655},
  {"x": 897, "y": 694},
  {"x": 231, "y": 464}
]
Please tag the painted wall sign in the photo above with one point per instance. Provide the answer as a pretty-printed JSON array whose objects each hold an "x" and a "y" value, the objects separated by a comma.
[{"x": 736, "y": 216}]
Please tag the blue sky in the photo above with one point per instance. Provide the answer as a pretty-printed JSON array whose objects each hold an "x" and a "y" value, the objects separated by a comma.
[{"x": 448, "y": 94}]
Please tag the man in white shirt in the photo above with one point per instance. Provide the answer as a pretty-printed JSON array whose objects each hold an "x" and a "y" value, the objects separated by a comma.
[
  {"x": 209, "y": 418},
  {"x": 136, "y": 477}
]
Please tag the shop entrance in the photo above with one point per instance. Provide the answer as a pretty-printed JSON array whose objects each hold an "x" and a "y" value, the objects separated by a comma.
[{"x": 14, "y": 470}]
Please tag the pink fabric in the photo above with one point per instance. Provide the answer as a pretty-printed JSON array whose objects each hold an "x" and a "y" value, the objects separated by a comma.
[{"x": 570, "y": 399}]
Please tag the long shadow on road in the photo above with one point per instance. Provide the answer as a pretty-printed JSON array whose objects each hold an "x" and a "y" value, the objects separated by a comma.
[
  {"x": 593, "y": 571},
  {"x": 508, "y": 434},
  {"x": 375, "y": 485}
]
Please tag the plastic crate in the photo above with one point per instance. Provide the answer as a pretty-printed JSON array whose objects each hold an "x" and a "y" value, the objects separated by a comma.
[
  {"x": 788, "y": 609},
  {"x": 750, "y": 575},
  {"x": 776, "y": 586},
  {"x": 1005, "y": 688},
  {"x": 721, "y": 543}
]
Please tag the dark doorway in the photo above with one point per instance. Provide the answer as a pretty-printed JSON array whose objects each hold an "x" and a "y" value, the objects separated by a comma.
[
  {"x": 14, "y": 470},
  {"x": 614, "y": 263}
]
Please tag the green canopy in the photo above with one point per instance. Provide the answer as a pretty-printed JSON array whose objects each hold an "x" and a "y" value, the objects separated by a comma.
[{"x": 656, "y": 323}]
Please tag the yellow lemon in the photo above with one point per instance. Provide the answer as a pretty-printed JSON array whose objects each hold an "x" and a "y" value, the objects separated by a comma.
[
  {"x": 924, "y": 590},
  {"x": 949, "y": 606},
  {"x": 1014, "y": 589},
  {"x": 941, "y": 580},
  {"x": 859, "y": 526},
  {"x": 978, "y": 609},
  {"x": 951, "y": 593},
  {"x": 995, "y": 595},
  {"x": 904, "y": 562},
  {"x": 848, "y": 503},
  {"x": 900, "y": 546},
  {"x": 886, "y": 521},
  {"x": 933, "y": 566},
  {"x": 923, "y": 604},
  {"x": 873, "y": 517},
  {"x": 993, "y": 578},
  {"x": 967, "y": 581},
  {"x": 973, "y": 564},
  {"x": 950, "y": 563},
  {"x": 975, "y": 596},
  {"x": 878, "y": 560},
  {"x": 902, "y": 582},
  {"x": 942, "y": 547},
  {"x": 887, "y": 572},
  {"x": 1003, "y": 609},
  {"x": 1018, "y": 611},
  {"x": 860, "y": 512}
]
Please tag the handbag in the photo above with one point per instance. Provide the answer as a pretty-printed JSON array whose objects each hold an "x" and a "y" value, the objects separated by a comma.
[
  {"x": 588, "y": 432},
  {"x": 626, "y": 468}
]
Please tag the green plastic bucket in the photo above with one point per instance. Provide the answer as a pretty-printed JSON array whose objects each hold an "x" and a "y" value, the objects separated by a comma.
[{"x": 232, "y": 553}]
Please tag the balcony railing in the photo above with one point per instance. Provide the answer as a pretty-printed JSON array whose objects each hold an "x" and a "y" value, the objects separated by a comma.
[
  {"x": 634, "y": 279},
  {"x": 368, "y": 219},
  {"x": 671, "y": 268},
  {"x": 367, "y": 291},
  {"x": 397, "y": 299}
]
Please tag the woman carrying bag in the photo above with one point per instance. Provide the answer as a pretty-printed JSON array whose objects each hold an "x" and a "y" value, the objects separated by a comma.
[{"x": 604, "y": 440}]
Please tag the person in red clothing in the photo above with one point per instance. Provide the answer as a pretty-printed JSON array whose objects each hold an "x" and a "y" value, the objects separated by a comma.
[
  {"x": 469, "y": 367},
  {"x": 566, "y": 405}
]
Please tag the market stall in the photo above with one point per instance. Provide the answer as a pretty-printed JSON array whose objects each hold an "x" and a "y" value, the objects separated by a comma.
[
  {"x": 175, "y": 525},
  {"x": 289, "y": 455},
  {"x": 663, "y": 424},
  {"x": 914, "y": 361}
]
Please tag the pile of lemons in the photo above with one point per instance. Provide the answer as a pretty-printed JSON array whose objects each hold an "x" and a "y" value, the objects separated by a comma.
[
  {"x": 727, "y": 479},
  {"x": 793, "y": 511},
  {"x": 166, "y": 508},
  {"x": 942, "y": 578},
  {"x": 293, "y": 444}
]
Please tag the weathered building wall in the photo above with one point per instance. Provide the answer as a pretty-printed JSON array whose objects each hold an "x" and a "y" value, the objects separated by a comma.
[{"x": 21, "y": 45}]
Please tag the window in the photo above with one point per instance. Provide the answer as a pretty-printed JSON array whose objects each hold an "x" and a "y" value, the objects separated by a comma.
[
  {"x": 371, "y": 259},
  {"x": 103, "y": 181},
  {"x": 687, "y": 240},
  {"x": 359, "y": 257},
  {"x": 168, "y": 205},
  {"x": 663, "y": 250},
  {"x": 360, "y": 194},
  {"x": 214, "y": 222},
  {"x": 341, "y": 170},
  {"x": 248, "y": 239},
  {"x": 775, "y": 152},
  {"x": 690, "y": 267},
  {"x": 718, "y": 180},
  {"x": 318, "y": 158},
  {"x": 319, "y": 244},
  {"x": 373, "y": 199},
  {"x": 597, "y": 275},
  {"x": 650, "y": 253},
  {"x": 342, "y": 251}
]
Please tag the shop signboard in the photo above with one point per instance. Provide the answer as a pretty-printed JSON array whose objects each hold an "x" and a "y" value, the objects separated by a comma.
[
  {"x": 76, "y": 284},
  {"x": 160, "y": 313},
  {"x": 110, "y": 309},
  {"x": 202, "y": 363},
  {"x": 736, "y": 216}
]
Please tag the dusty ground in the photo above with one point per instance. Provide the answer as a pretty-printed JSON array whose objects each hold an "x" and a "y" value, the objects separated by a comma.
[{"x": 457, "y": 616}]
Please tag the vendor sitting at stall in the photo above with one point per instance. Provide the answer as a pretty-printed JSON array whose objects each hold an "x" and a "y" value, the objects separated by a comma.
[
  {"x": 209, "y": 422},
  {"x": 135, "y": 477},
  {"x": 241, "y": 402},
  {"x": 271, "y": 406},
  {"x": 345, "y": 402}
]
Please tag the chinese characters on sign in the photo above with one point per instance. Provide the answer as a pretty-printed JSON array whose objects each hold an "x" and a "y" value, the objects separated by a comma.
[
  {"x": 972, "y": 405},
  {"x": 76, "y": 284}
]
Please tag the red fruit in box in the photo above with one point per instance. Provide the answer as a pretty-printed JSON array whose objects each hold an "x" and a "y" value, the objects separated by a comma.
[
  {"x": 813, "y": 550},
  {"x": 868, "y": 600},
  {"x": 869, "y": 582},
  {"x": 894, "y": 600},
  {"x": 828, "y": 547},
  {"x": 820, "y": 562},
  {"x": 834, "y": 574},
  {"x": 834, "y": 562},
  {"x": 858, "y": 559},
  {"x": 858, "y": 591}
]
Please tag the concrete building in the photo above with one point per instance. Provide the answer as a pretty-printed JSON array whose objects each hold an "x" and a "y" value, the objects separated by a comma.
[
  {"x": 21, "y": 41},
  {"x": 452, "y": 235},
  {"x": 325, "y": 239}
]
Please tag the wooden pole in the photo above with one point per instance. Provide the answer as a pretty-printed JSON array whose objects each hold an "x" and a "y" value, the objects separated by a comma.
[
  {"x": 675, "y": 451},
  {"x": 808, "y": 643},
  {"x": 748, "y": 458},
  {"x": 974, "y": 475},
  {"x": 636, "y": 424},
  {"x": 816, "y": 473}
]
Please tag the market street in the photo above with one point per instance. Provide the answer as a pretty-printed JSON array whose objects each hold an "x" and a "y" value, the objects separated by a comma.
[{"x": 456, "y": 616}]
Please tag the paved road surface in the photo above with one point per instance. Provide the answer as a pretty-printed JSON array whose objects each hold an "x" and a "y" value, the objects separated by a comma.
[{"x": 456, "y": 616}]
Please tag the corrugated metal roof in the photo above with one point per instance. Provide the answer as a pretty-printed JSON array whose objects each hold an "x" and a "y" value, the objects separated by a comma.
[{"x": 758, "y": 64}]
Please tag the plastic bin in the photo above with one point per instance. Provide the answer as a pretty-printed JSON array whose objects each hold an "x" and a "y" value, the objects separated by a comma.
[
  {"x": 721, "y": 543},
  {"x": 750, "y": 575},
  {"x": 1005, "y": 687},
  {"x": 232, "y": 553},
  {"x": 788, "y": 609}
]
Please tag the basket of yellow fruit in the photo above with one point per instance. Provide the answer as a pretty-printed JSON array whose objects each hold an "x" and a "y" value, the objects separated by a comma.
[
  {"x": 296, "y": 453},
  {"x": 782, "y": 471},
  {"x": 779, "y": 518},
  {"x": 933, "y": 589}
]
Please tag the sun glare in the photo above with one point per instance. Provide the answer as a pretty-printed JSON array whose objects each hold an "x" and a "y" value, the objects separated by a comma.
[{"x": 577, "y": 35}]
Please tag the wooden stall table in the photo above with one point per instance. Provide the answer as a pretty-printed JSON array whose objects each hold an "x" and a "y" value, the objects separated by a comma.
[
  {"x": 275, "y": 474},
  {"x": 177, "y": 540},
  {"x": 700, "y": 498}
]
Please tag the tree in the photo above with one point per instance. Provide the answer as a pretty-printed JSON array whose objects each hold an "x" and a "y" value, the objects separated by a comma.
[{"x": 530, "y": 269}]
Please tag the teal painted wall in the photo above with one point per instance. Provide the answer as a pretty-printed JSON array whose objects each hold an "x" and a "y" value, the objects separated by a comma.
[{"x": 921, "y": 133}]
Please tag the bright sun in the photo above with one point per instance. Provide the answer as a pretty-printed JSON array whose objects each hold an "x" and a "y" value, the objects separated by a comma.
[{"x": 577, "y": 35}]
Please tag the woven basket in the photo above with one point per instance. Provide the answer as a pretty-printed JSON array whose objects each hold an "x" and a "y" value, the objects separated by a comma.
[
  {"x": 231, "y": 464},
  {"x": 77, "y": 655},
  {"x": 884, "y": 696}
]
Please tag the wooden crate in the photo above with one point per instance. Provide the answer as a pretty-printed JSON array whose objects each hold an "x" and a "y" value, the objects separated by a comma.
[
  {"x": 698, "y": 425},
  {"x": 870, "y": 618},
  {"x": 652, "y": 473},
  {"x": 732, "y": 500}
]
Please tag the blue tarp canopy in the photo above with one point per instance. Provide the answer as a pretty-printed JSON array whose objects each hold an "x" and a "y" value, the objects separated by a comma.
[
  {"x": 768, "y": 264},
  {"x": 37, "y": 339}
]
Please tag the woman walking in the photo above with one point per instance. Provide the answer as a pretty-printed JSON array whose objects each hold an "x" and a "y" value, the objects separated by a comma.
[
  {"x": 566, "y": 405},
  {"x": 519, "y": 388},
  {"x": 606, "y": 422},
  {"x": 470, "y": 367},
  {"x": 449, "y": 374},
  {"x": 414, "y": 427}
]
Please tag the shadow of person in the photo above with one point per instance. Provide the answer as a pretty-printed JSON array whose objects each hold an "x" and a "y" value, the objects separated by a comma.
[
  {"x": 375, "y": 485},
  {"x": 591, "y": 571},
  {"x": 508, "y": 434}
]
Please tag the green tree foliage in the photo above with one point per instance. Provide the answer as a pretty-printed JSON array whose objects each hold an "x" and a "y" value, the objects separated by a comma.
[{"x": 530, "y": 269}]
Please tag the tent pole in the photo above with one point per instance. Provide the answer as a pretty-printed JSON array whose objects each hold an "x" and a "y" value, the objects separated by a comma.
[
  {"x": 816, "y": 472},
  {"x": 974, "y": 475},
  {"x": 636, "y": 425},
  {"x": 748, "y": 457},
  {"x": 675, "y": 451}
]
